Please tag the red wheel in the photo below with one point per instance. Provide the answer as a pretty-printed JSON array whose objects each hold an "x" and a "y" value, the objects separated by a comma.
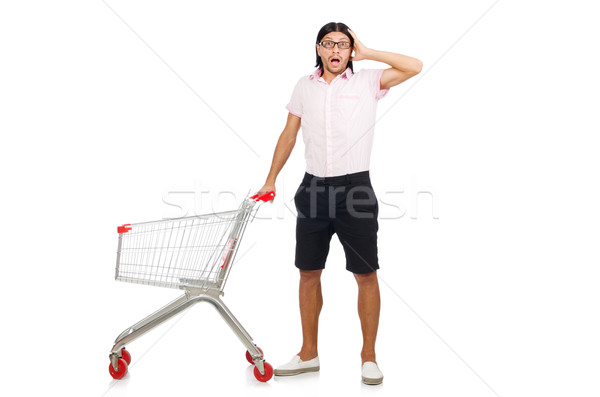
[
  {"x": 268, "y": 373},
  {"x": 125, "y": 355},
  {"x": 122, "y": 369},
  {"x": 249, "y": 356}
]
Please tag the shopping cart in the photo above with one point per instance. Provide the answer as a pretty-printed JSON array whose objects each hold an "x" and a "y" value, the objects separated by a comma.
[{"x": 192, "y": 253}]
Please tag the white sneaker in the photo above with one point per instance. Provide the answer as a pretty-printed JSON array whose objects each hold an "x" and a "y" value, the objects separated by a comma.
[
  {"x": 297, "y": 366},
  {"x": 371, "y": 375}
]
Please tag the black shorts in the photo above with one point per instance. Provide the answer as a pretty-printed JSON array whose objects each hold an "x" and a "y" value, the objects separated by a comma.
[{"x": 345, "y": 205}]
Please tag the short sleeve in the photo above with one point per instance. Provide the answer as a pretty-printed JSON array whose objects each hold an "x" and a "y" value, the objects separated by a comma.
[
  {"x": 375, "y": 78},
  {"x": 295, "y": 104},
  {"x": 379, "y": 92}
]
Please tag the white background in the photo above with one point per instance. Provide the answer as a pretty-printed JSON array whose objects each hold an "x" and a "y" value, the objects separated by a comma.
[{"x": 107, "y": 107}]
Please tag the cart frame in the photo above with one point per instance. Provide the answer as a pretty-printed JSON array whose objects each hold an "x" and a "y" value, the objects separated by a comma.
[{"x": 206, "y": 286}]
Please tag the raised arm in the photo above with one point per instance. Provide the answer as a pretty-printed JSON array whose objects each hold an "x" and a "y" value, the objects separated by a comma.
[
  {"x": 402, "y": 67},
  {"x": 285, "y": 144}
]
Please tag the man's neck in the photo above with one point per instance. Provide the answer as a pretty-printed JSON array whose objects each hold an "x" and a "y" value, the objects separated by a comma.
[{"x": 329, "y": 77}]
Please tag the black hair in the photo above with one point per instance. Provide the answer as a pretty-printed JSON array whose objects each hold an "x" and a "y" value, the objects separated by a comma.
[{"x": 333, "y": 27}]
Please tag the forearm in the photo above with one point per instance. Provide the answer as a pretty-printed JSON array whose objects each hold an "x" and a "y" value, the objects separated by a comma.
[
  {"x": 284, "y": 147},
  {"x": 400, "y": 62}
]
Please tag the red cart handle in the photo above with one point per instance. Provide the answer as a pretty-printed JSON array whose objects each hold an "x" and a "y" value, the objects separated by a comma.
[
  {"x": 265, "y": 197},
  {"x": 124, "y": 229}
]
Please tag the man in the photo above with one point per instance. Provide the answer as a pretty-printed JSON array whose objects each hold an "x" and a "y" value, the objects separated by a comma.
[{"x": 336, "y": 109}]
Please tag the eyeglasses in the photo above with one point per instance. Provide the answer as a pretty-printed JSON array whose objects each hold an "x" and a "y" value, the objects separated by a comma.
[{"x": 342, "y": 45}]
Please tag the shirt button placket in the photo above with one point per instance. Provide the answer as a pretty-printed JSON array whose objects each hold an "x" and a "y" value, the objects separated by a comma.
[{"x": 328, "y": 130}]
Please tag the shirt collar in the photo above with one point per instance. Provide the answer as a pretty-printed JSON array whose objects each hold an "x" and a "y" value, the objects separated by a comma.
[{"x": 317, "y": 74}]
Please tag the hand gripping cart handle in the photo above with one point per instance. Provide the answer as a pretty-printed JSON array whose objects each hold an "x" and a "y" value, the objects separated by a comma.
[{"x": 195, "y": 254}]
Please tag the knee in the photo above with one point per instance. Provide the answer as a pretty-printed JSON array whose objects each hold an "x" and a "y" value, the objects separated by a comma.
[
  {"x": 310, "y": 276},
  {"x": 366, "y": 279}
]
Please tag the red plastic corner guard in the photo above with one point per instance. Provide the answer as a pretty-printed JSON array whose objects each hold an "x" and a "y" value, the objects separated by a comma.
[
  {"x": 265, "y": 197},
  {"x": 124, "y": 229}
]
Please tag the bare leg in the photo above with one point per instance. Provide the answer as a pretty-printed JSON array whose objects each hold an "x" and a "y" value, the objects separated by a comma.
[
  {"x": 311, "y": 302},
  {"x": 369, "y": 304}
]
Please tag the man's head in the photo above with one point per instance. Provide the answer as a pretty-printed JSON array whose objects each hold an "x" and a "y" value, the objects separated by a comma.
[{"x": 334, "y": 59}]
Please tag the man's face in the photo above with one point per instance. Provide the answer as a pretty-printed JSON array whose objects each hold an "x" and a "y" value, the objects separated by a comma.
[{"x": 334, "y": 59}]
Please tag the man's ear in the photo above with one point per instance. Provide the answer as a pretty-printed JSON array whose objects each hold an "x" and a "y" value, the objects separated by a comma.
[{"x": 318, "y": 49}]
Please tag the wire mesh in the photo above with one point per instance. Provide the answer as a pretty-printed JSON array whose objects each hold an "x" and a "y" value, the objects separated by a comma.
[{"x": 194, "y": 251}]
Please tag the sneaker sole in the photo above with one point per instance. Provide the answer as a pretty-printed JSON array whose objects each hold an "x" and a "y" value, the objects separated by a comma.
[
  {"x": 371, "y": 381},
  {"x": 290, "y": 372}
]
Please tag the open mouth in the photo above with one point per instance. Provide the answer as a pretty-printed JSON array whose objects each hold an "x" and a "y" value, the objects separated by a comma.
[{"x": 335, "y": 62}]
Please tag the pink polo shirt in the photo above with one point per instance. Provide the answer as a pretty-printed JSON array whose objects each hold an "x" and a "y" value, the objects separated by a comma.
[{"x": 338, "y": 120}]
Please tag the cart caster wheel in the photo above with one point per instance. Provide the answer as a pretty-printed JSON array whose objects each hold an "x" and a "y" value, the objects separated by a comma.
[
  {"x": 249, "y": 356},
  {"x": 125, "y": 355},
  {"x": 268, "y": 373},
  {"x": 122, "y": 369}
]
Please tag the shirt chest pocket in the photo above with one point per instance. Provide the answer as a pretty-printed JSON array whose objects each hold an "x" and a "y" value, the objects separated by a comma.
[{"x": 348, "y": 104}]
